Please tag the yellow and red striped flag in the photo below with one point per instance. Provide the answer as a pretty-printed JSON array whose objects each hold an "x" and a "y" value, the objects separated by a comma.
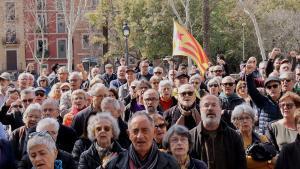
[{"x": 185, "y": 44}]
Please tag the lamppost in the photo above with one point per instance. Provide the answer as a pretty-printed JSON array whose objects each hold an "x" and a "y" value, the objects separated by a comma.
[
  {"x": 243, "y": 24},
  {"x": 126, "y": 32}
]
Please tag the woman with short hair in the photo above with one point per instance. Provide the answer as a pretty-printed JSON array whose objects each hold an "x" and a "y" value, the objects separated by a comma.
[
  {"x": 103, "y": 130},
  {"x": 214, "y": 87},
  {"x": 178, "y": 142},
  {"x": 160, "y": 129}
]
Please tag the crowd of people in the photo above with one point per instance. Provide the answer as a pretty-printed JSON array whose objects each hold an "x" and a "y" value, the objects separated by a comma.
[{"x": 147, "y": 117}]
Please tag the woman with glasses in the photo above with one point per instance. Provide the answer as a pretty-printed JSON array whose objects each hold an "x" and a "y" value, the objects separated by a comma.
[
  {"x": 196, "y": 81},
  {"x": 31, "y": 117},
  {"x": 243, "y": 117},
  {"x": 43, "y": 82},
  {"x": 178, "y": 143},
  {"x": 103, "y": 130},
  {"x": 45, "y": 127},
  {"x": 213, "y": 86},
  {"x": 160, "y": 129},
  {"x": 284, "y": 130},
  {"x": 154, "y": 81}
]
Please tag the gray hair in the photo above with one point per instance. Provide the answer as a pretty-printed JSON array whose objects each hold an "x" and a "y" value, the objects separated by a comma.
[
  {"x": 96, "y": 87},
  {"x": 141, "y": 113},
  {"x": 21, "y": 75},
  {"x": 112, "y": 101},
  {"x": 196, "y": 76},
  {"x": 241, "y": 109},
  {"x": 79, "y": 92},
  {"x": 52, "y": 102},
  {"x": 164, "y": 83},
  {"x": 213, "y": 81},
  {"x": 179, "y": 130},
  {"x": 62, "y": 69},
  {"x": 47, "y": 122},
  {"x": 94, "y": 120},
  {"x": 29, "y": 75},
  {"x": 40, "y": 78},
  {"x": 30, "y": 108},
  {"x": 27, "y": 91},
  {"x": 45, "y": 140},
  {"x": 76, "y": 74}
]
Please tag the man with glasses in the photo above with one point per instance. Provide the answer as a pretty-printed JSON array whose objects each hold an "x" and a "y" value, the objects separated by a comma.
[
  {"x": 40, "y": 95},
  {"x": 218, "y": 71},
  {"x": 151, "y": 101},
  {"x": 27, "y": 97},
  {"x": 219, "y": 146},
  {"x": 186, "y": 111},
  {"x": 287, "y": 81},
  {"x": 158, "y": 71},
  {"x": 229, "y": 99},
  {"x": 125, "y": 88},
  {"x": 98, "y": 92},
  {"x": 267, "y": 105},
  {"x": 11, "y": 113},
  {"x": 144, "y": 71}
]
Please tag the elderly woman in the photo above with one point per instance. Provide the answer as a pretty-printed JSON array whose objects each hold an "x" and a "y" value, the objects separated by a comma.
[
  {"x": 160, "y": 128},
  {"x": 213, "y": 86},
  {"x": 103, "y": 130},
  {"x": 284, "y": 130},
  {"x": 31, "y": 117},
  {"x": 196, "y": 81},
  {"x": 55, "y": 92},
  {"x": 50, "y": 126},
  {"x": 289, "y": 154},
  {"x": 43, "y": 82},
  {"x": 154, "y": 81},
  {"x": 178, "y": 142},
  {"x": 243, "y": 117},
  {"x": 64, "y": 87},
  {"x": 78, "y": 99}
]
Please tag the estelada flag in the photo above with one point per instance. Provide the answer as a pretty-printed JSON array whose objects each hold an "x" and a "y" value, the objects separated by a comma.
[{"x": 185, "y": 44}]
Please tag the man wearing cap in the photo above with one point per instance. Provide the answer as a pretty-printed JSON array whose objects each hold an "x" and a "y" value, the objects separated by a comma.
[
  {"x": 287, "y": 81},
  {"x": 268, "y": 108},
  {"x": 4, "y": 82},
  {"x": 40, "y": 95},
  {"x": 144, "y": 73},
  {"x": 109, "y": 74},
  {"x": 124, "y": 89}
]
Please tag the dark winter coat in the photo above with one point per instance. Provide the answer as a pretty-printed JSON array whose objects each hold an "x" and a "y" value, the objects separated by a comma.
[
  {"x": 15, "y": 119},
  {"x": 79, "y": 120},
  {"x": 80, "y": 146}
]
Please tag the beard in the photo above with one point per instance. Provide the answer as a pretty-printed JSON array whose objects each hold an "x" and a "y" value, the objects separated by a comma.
[{"x": 209, "y": 121}]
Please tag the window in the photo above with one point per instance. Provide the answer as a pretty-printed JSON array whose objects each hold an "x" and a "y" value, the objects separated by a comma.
[
  {"x": 10, "y": 11},
  {"x": 62, "y": 48},
  {"x": 40, "y": 5},
  {"x": 41, "y": 22},
  {"x": 85, "y": 41},
  {"x": 42, "y": 46},
  {"x": 60, "y": 27},
  {"x": 11, "y": 36},
  {"x": 59, "y": 5}
]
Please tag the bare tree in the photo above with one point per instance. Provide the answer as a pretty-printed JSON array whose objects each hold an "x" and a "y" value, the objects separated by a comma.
[{"x": 73, "y": 11}]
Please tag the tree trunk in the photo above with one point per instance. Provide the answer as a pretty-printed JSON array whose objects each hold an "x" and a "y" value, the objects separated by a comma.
[
  {"x": 70, "y": 51},
  {"x": 206, "y": 26}
]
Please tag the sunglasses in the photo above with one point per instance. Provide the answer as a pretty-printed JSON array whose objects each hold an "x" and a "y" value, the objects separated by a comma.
[
  {"x": 65, "y": 90},
  {"x": 213, "y": 85},
  {"x": 272, "y": 86},
  {"x": 17, "y": 106},
  {"x": 157, "y": 72},
  {"x": 189, "y": 93},
  {"x": 228, "y": 84},
  {"x": 218, "y": 70},
  {"x": 27, "y": 100},
  {"x": 133, "y": 87},
  {"x": 40, "y": 94},
  {"x": 161, "y": 126},
  {"x": 49, "y": 110},
  {"x": 287, "y": 105},
  {"x": 155, "y": 82},
  {"x": 105, "y": 128},
  {"x": 286, "y": 80}
]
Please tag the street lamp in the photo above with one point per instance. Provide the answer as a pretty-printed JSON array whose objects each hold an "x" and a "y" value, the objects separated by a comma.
[
  {"x": 243, "y": 24},
  {"x": 126, "y": 32}
]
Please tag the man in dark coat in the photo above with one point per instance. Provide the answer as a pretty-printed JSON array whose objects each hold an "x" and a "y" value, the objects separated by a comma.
[
  {"x": 143, "y": 152},
  {"x": 214, "y": 142},
  {"x": 109, "y": 74}
]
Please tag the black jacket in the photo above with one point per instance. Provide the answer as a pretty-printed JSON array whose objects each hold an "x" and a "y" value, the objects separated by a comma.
[
  {"x": 196, "y": 164},
  {"x": 79, "y": 120},
  {"x": 90, "y": 158},
  {"x": 123, "y": 139},
  {"x": 67, "y": 161},
  {"x": 15, "y": 119},
  {"x": 165, "y": 161},
  {"x": 17, "y": 140},
  {"x": 234, "y": 153},
  {"x": 80, "y": 146},
  {"x": 289, "y": 156}
]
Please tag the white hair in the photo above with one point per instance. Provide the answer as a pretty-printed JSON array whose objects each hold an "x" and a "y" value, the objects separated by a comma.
[
  {"x": 27, "y": 91},
  {"x": 112, "y": 101},
  {"x": 164, "y": 83},
  {"x": 241, "y": 109},
  {"x": 32, "y": 107},
  {"x": 47, "y": 122},
  {"x": 45, "y": 140},
  {"x": 79, "y": 92},
  {"x": 51, "y": 101},
  {"x": 29, "y": 75},
  {"x": 96, "y": 87},
  {"x": 21, "y": 75},
  {"x": 196, "y": 76},
  {"x": 76, "y": 74},
  {"x": 94, "y": 120}
]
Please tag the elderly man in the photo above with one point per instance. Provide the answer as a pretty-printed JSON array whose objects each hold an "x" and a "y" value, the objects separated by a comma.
[
  {"x": 144, "y": 73},
  {"x": 27, "y": 97},
  {"x": 4, "y": 82},
  {"x": 181, "y": 79},
  {"x": 23, "y": 81},
  {"x": 143, "y": 152},
  {"x": 121, "y": 78},
  {"x": 137, "y": 104},
  {"x": 109, "y": 74},
  {"x": 158, "y": 71},
  {"x": 112, "y": 105},
  {"x": 218, "y": 71},
  {"x": 171, "y": 75},
  {"x": 266, "y": 105},
  {"x": 66, "y": 136},
  {"x": 62, "y": 76},
  {"x": 94, "y": 72},
  {"x": 98, "y": 92},
  {"x": 125, "y": 88},
  {"x": 214, "y": 142},
  {"x": 166, "y": 100},
  {"x": 40, "y": 95},
  {"x": 287, "y": 81},
  {"x": 186, "y": 111},
  {"x": 151, "y": 101},
  {"x": 229, "y": 99},
  {"x": 75, "y": 80}
]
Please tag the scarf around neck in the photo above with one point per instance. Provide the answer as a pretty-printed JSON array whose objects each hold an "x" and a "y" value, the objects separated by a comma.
[
  {"x": 192, "y": 111},
  {"x": 148, "y": 163}
]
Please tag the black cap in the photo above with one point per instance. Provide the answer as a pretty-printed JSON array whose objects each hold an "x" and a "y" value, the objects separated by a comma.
[
  {"x": 271, "y": 79},
  {"x": 181, "y": 74}
]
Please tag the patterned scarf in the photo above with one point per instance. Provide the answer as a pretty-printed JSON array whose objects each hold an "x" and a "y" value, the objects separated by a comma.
[
  {"x": 148, "y": 163},
  {"x": 192, "y": 111},
  {"x": 58, "y": 164}
]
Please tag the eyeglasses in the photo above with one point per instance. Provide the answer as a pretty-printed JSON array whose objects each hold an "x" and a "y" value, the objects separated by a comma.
[
  {"x": 40, "y": 134},
  {"x": 213, "y": 85},
  {"x": 286, "y": 80},
  {"x": 287, "y": 105},
  {"x": 132, "y": 87},
  {"x": 49, "y": 110},
  {"x": 195, "y": 83},
  {"x": 188, "y": 93},
  {"x": 217, "y": 70},
  {"x": 228, "y": 84},
  {"x": 43, "y": 80},
  {"x": 155, "y": 82},
  {"x": 272, "y": 86},
  {"x": 17, "y": 106},
  {"x": 243, "y": 118},
  {"x": 242, "y": 87},
  {"x": 157, "y": 72},
  {"x": 105, "y": 128},
  {"x": 27, "y": 100},
  {"x": 65, "y": 90},
  {"x": 40, "y": 94},
  {"x": 181, "y": 139},
  {"x": 161, "y": 126}
]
